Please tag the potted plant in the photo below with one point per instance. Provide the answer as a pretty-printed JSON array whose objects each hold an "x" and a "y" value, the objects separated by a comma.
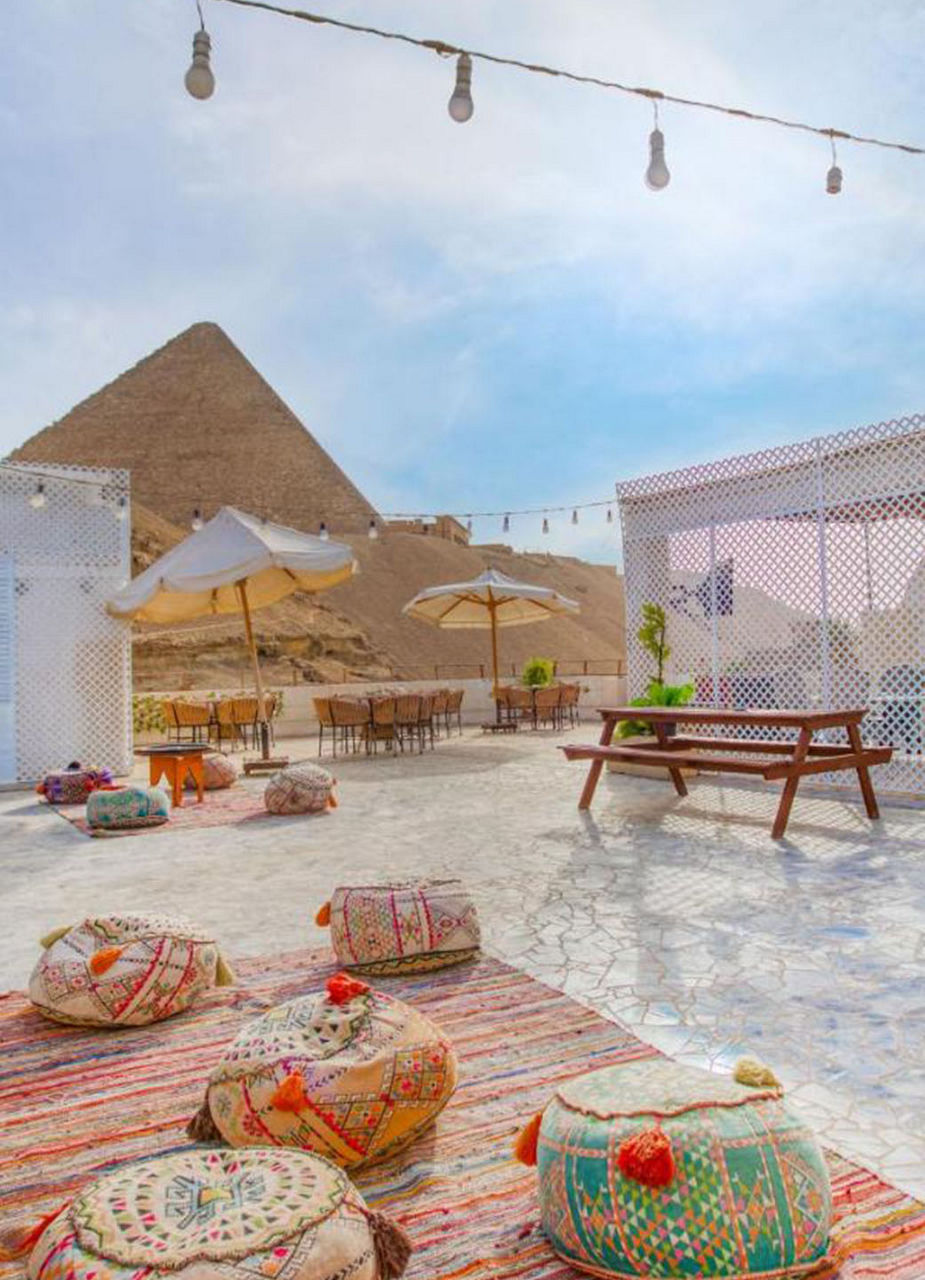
[
  {"x": 652, "y": 637},
  {"x": 538, "y": 673}
]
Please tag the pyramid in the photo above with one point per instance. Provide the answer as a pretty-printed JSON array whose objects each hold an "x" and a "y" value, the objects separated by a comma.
[{"x": 197, "y": 426}]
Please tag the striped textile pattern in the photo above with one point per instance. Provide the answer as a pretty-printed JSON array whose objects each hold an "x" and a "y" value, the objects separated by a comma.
[{"x": 74, "y": 1103}]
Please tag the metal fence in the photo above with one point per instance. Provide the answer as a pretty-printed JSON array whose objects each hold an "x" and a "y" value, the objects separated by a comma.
[{"x": 793, "y": 577}]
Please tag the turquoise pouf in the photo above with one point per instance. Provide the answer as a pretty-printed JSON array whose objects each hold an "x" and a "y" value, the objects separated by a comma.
[
  {"x": 128, "y": 807},
  {"x": 653, "y": 1169}
]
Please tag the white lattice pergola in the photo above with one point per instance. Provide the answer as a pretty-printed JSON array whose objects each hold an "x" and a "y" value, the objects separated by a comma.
[
  {"x": 793, "y": 577},
  {"x": 65, "y": 665}
]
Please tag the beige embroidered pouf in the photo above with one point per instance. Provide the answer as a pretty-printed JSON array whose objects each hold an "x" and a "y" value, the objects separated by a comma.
[
  {"x": 206, "y": 1214},
  {"x": 348, "y": 1073},
  {"x": 218, "y": 772},
  {"x": 300, "y": 788},
  {"x": 402, "y": 928},
  {"x": 124, "y": 970}
]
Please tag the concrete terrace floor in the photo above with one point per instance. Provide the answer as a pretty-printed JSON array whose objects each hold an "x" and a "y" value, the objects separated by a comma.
[{"x": 679, "y": 918}]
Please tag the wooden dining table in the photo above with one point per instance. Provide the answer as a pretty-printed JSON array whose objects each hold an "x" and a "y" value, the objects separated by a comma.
[{"x": 787, "y": 760}]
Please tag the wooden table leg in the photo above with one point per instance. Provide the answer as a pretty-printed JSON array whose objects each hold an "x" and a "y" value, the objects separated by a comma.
[
  {"x": 790, "y": 786},
  {"x": 665, "y": 743},
  {"x": 867, "y": 787},
  {"x": 594, "y": 772},
  {"x": 196, "y": 769},
  {"x": 175, "y": 776}
]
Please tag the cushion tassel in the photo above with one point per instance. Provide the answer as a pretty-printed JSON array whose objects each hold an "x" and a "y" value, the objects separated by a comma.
[
  {"x": 752, "y": 1071},
  {"x": 392, "y": 1245},
  {"x": 202, "y": 1128},
  {"x": 17, "y": 1242},
  {"x": 55, "y": 934},
  {"x": 525, "y": 1148},
  {"x": 342, "y": 988},
  {"x": 323, "y": 916},
  {"x": 224, "y": 974},
  {"x": 289, "y": 1094},
  {"x": 647, "y": 1158},
  {"x": 332, "y": 801},
  {"x": 103, "y": 959}
]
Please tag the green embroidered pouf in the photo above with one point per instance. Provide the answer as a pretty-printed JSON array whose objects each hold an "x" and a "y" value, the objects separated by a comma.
[
  {"x": 654, "y": 1169},
  {"x": 207, "y": 1214},
  {"x": 127, "y": 808}
]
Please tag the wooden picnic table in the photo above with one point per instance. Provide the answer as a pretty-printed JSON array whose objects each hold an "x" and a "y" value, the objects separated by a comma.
[{"x": 797, "y": 758}]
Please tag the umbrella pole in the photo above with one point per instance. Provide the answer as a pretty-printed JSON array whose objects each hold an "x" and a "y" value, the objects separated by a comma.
[
  {"x": 258, "y": 678},
  {"x": 494, "y": 657}
]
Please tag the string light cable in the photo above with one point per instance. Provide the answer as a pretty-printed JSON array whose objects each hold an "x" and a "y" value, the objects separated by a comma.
[{"x": 200, "y": 83}]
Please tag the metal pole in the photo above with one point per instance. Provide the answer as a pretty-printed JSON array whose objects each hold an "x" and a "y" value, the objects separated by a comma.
[
  {"x": 868, "y": 570},
  {"x": 714, "y": 610},
  {"x": 823, "y": 582}
]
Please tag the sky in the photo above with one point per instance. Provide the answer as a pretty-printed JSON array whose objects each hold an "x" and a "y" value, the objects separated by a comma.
[{"x": 486, "y": 316}]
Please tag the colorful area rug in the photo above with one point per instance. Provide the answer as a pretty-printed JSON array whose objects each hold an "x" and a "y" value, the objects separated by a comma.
[
  {"x": 74, "y": 1103},
  {"x": 225, "y": 808}
]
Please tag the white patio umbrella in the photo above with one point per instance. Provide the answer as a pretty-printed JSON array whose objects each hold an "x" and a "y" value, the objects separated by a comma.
[
  {"x": 234, "y": 563},
  {"x": 491, "y": 600}
]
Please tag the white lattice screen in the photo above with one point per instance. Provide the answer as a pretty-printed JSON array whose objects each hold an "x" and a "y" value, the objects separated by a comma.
[
  {"x": 793, "y": 577},
  {"x": 70, "y": 662}
]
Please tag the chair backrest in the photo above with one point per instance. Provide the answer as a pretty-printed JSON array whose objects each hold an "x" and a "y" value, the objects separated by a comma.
[
  {"x": 224, "y": 710},
  {"x": 189, "y": 713},
  {"x": 169, "y": 712},
  {"x": 503, "y": 695},
  {"x": 519, "y": 698},
  {"x": 347, "y": 711},
  {"x": 544, "y": 699},
  {"x": 440, "y": 701},
  {"x": 244, "y": 710},
  {"x": 270, "y": 703},
  {"x": 426, "y": 708},
  {"x": 570, "y": 694},
  {"x": 407, "y": 708},
  {"x": 454, "y": 699},
  {"x": 323, "y": 711},
  {"x": 383, "y": 710}
]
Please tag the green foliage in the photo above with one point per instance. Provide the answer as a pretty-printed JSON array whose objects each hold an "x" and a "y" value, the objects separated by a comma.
[
  {"x": 147, "y": 714},
  {"x": 651, "y": 636},
  {"x": 656, "y": 695},
  {"x": 538, "y": 673}
]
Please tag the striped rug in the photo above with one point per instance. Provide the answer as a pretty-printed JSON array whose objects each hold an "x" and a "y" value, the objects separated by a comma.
[
  {"x": 222, "y": 808},
  {"x": 74, "y": 1103}
]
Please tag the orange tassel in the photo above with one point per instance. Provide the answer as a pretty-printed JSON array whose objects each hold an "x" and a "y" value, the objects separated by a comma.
[
  {"x": 290, "y": 1094},
  {"x": 323, "y": 916},
  {"x": 646, "y": 1157},
  {"x": 17, "y": 1243},
  {"x": 342, "y": 988},
  {"x": 525, "y": 1148},
  {"x": 104, "y": 959},
  {"x": 332, "y": 801}
]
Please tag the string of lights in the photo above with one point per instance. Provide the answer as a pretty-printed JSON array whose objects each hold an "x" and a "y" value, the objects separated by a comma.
[{"x": 200, "y": 83}]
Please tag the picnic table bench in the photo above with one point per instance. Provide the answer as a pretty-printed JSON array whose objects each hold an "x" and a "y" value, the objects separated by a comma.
[{"x": 797, "y": 758}]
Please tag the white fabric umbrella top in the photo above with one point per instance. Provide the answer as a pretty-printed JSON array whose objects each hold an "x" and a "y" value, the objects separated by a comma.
[
  {"x": 199, "y": 576},
  {"x": 472, "y": 604}
]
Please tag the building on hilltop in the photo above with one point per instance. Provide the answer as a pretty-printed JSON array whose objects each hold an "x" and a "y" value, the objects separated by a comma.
[
  {"x": 198, "y": 427},
  {"x": 447, "y": 527}
]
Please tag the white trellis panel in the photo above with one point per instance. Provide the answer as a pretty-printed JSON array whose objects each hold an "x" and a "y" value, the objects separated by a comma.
[
  {"x": 70, "y": 663},
  {"x": 793, "y": 577}
]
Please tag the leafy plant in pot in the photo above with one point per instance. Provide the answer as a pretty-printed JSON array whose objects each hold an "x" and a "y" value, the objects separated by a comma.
[{"x": 652, "y": 637}]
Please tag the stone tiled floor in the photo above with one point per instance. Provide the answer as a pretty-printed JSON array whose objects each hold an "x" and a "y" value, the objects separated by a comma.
[{"x": 679, "y": 918}]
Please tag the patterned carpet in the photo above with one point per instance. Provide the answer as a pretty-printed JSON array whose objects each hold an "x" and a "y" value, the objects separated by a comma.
[
  {"x": 219, "y": 809},
  {"x": 73, "y": 1103}
]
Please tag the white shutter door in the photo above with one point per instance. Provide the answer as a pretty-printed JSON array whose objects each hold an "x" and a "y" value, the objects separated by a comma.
[{"x": 7, "y": 672}]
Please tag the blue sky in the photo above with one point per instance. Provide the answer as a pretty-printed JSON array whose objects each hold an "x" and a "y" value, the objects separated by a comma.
[{"x": 492, "y": 315}]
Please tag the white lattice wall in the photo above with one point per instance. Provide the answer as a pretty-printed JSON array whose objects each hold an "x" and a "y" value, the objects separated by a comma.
[
  {"x": 68, "y": 686},
  {"x": 793, "y": 577}
]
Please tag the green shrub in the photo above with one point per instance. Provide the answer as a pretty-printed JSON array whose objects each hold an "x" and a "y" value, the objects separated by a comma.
[
  {"x": 147, "y": 714},
  {"x": 538, "y": 672}
]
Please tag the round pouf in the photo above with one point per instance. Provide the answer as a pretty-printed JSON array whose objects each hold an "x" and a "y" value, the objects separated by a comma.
[
  {"x": 127, "y": 808},
  {"x": 218, "y": 772},
  {"x": 402, "y": 928},
  {"x": 347, "y": 1073},
  {"x": 650, "y": 1168},
  {"x": 125, "y": 970},
  {"x": 300, "y": 788},
  {"x": 73, "y": 784},
  {"x": 211, "y": 1213}
]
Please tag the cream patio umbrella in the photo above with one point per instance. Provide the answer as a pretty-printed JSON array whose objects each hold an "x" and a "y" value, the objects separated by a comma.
[
  {"x": 234, "y": 563},
  {"x": 491, "y": 600}
]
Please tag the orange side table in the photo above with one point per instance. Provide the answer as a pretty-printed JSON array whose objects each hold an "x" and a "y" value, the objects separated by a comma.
[{"x": 174, "y": 763}]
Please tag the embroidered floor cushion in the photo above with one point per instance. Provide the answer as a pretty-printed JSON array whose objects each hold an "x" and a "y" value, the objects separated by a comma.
[
  {"x": 126, "y": 808},
  {"x": 207, "y": 1214},
  {"x": 348, "y": 1073},
  {"x": 402, "y": 928},
  {"x": 73, "y": 784},
  {"x": 656, "y": 1169},
  {"x": 218, "y": 772},
  {"x": 124, "y": 970},
  {"x": 300, "y": 788}
]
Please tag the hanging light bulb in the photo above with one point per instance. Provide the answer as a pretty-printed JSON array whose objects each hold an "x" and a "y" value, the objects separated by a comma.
[
  {"x": 323, "y": 531},
  {"x": 575, "y": 516},
  {"x": 657, "y": 175},
  {"x": 469, "y": 526},
  {"x": 834, "y": 176},
  {"x": 545, "y": 525},
  {"x": 373, "y": 531},
  {"x": 199, "y": 80},
  {"x": 37, "y": 499},
  {"x": 196, "y": 521},
  {"x": 122, "y": 509},
  {"x": 609, "y": 516},
  {"x": 460, "y": 105},
  {"x": 506, "y": 526}
]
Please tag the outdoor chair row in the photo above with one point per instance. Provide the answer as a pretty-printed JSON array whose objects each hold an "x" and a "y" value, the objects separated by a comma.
[
  {"x": 217, "y": 719},
  {"x": 553, "y": 704},
  {"x": 408, "y": 719}
]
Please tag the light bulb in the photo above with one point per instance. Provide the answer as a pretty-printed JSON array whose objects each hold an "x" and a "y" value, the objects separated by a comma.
[
  {"x": 196, "y": 521},
  {"x": 460, "y": 105},
  {"x": 833, "y": 180},
  {"x": 657, "y": 175},
  {"x": 38, "y": 498},
  {"x": 469, "y": 526},
  {"x": 609, "y": 516},
  {"x": 373, "y": 531},
  {"x": 506, "y": 527},
  {"x": 323, "y": 531},
  {"x": 199, "y": 80},
  {"x": 575, "y": 516},
  {"x": 545, "y": 525},
  {"x": 122, "y": 509}
]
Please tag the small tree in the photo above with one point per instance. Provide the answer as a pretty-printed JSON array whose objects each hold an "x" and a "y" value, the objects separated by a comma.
[
  {"x": 538, "y": 672},
  {"x": 651, "y": 636}
]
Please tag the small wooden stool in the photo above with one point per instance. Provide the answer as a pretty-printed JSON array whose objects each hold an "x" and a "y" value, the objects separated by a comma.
[{"x": 174, "y": 763}]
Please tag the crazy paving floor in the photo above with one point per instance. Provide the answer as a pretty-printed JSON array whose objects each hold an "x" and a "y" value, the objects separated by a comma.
[{"x": 678, "y": 918}]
